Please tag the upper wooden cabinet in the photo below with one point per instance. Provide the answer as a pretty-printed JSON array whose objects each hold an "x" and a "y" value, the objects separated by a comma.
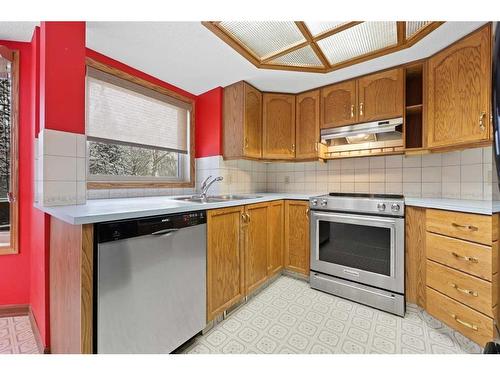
[
  {"x": 278, "y": 126},
  {"x": 459, "y": 92},
  {"x": 378, "y": 96},
  {"x": 307, "y": 125},
  {"x": 242, "y": 121},
  {"x": 381, "y": 95},
  {"x": 339, "y": 104}
]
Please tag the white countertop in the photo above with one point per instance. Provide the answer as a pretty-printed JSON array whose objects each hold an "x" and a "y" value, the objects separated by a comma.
[
  {"x": 461, "y": 205},
  {"x": 101, "y": 210}
]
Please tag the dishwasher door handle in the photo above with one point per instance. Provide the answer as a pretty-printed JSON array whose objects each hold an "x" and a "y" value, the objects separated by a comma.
[{"x": 165, "y": 232}]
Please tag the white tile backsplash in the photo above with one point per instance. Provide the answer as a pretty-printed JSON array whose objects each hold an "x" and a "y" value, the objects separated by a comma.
[{"x": 446, "y": 175}]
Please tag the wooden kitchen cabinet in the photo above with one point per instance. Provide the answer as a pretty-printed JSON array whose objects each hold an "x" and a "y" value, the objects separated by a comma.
[
  {"x": 339, "y": 104},
  {"x": 459, "y": 92},
  {"x": 225, "y": 254},
  {"x": 381, "y": 95},
  {"x": 307, "y": 125},
  {"x": 297, "y": 248},
  {"x": 242, "y": 131},
  {"x": 278, "y": 126},
  {"x": 275, "y": 236},
  {"x": 256, "y": 245}
]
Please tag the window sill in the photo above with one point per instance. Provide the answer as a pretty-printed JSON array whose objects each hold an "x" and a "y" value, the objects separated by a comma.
[{"x": 138, "y": 185}]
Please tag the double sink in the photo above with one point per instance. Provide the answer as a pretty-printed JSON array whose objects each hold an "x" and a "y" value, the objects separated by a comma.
[{"x": 216, "y": 198}]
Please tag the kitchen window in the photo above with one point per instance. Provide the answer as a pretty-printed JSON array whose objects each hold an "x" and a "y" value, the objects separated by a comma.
[
  {"x": 9, "y": 88},
  {"x": 138, "y": 134}
]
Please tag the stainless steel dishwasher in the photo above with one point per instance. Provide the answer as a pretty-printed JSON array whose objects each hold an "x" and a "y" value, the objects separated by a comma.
[{"x": 150, "y": 283}]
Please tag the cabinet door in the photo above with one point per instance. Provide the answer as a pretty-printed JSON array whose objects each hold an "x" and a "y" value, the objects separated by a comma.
[
  {"x": 459, "y": 93},
  {"x": 276, "y": 236},
  {"x": 225, "y": 266},
  {"x": 279, "y": 126},
  {"x": 252, "y": 146},
  {"x": 256, "y": 241},
  {"x": 297, "y": 248},
  {"x": 381, "y": 96},
  {"x": 339, "y": 105},
  {"x": 307, "y": 125}
]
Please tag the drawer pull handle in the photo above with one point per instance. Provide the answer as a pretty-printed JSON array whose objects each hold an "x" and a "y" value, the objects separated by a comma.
[
  {"x": 470, "y": 228},
  {"x": 464, "y": 257},
  {"x": 465, "y": 291},
  {"x": 466, "y": 324}
]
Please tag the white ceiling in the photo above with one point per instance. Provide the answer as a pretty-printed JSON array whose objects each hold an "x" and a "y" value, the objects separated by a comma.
[
  {"x": 19, "y": 31},
  {"x": 188, "y": 55}
]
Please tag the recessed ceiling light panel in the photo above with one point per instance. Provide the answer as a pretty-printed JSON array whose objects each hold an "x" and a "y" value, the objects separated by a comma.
[
  {"x": 358, "y": 41},
  {"x": 317, "y": 28},
  {"x": 304, "y": 56}
]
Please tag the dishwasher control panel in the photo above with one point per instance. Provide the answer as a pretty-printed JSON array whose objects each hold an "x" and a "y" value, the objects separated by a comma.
[{"x": 120, "y": 230}]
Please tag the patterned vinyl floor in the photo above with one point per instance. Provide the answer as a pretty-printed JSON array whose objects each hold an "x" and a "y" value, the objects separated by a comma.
[
  {"x": 16, "y": 336},
  {"x": 290, "y": 317}
]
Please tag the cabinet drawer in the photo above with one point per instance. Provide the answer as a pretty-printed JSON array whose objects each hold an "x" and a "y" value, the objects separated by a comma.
[
  {"x": 469, "y": 290},
  {"x": 470, "y": 227},
  {"x": 470, "y": 323},
  {"x": 465, "y": 256}
]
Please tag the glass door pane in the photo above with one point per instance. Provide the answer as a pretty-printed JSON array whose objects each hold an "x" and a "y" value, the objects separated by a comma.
[{"x": 357, "y": 246}]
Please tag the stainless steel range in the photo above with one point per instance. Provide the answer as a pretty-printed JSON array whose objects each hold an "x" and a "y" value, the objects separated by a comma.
[{"x": 357, "y": 248}]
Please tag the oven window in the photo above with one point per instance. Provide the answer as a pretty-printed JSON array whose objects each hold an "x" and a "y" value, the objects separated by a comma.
[{"x": 357, "y": 246}]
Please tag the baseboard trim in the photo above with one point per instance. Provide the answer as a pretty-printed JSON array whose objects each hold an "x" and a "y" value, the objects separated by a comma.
[
  {"x": 36, "y": 332},
  {"x": 14, "y": 310}
]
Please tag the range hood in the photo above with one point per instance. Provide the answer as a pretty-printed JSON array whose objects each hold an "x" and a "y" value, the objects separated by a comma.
[{"x": 366, "y": 132}]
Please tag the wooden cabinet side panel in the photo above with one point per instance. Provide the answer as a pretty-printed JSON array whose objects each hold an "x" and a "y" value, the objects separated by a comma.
[
  {"x": 256, "y": 250},
  {"x": 415, "y": 256},
  {"x": 233, "y": 116},
  {"x": 276, "y": 236},
  {"x": 307, "y": 125},
  {"x": 278, "y": 126},
  {"x": 225, "y": 265},
  {"x": 297, "y": 249},
  {"x": 65, "y": 287}
]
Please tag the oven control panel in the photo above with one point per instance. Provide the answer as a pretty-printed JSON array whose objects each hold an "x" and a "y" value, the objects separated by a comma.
[{"x": 359, "y": 203}]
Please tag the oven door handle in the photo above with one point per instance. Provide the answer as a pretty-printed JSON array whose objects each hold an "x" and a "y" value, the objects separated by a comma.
[{"x": 354, "y": 219}]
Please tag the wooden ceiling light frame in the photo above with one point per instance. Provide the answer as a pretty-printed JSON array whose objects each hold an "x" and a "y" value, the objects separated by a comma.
[{"x": 312, "y": 41}]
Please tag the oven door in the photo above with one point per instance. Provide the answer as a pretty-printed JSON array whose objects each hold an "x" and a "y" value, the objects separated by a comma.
[{"x": 361, "y": 248}]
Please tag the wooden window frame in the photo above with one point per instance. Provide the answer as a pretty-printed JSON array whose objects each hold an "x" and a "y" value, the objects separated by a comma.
[
  {"x": 13, "y": 247},
  {"x": 150, "y": 183}
]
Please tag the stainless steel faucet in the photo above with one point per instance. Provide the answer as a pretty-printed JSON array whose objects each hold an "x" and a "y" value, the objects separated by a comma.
[{"x": 205, "y": 185}]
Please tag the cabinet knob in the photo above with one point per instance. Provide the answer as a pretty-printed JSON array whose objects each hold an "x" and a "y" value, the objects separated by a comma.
[
  {"x": 361, "y": 105},
  {"x": 352, "y": 110},
  {"x": 246, "y": 142},
  {"x": 293, "y": 147}
]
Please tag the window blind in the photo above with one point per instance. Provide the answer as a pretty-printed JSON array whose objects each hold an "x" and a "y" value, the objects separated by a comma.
[{"x": 121, "y": 111}]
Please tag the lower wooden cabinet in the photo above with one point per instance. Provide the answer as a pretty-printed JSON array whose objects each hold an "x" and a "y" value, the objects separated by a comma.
[
  {"x": 452, "y": 269},
  {"x": 225, "y": 267},
  {"x": 275, "y": 236},
  {"x": 246, "y": 246},
  {"x": 297, "y": 248},
  {"x": 256, "y": 245}
]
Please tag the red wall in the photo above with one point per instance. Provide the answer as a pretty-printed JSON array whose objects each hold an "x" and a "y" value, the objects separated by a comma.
[
  {"x": 62, "y": 76},
  {"x": 208, "y": 136},
  {"x": 14, "y": 269}
]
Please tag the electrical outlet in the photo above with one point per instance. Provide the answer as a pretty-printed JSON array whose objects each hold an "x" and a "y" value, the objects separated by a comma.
[{"x": 287, "y": 179}]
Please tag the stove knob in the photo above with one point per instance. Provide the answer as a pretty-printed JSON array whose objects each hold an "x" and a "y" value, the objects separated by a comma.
[
  {"x": 314, "y": 202},
  {"x": 381, "y": 206},
  {"x": 395, "y": 207},
  {"x": 324, "y": 202}
]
